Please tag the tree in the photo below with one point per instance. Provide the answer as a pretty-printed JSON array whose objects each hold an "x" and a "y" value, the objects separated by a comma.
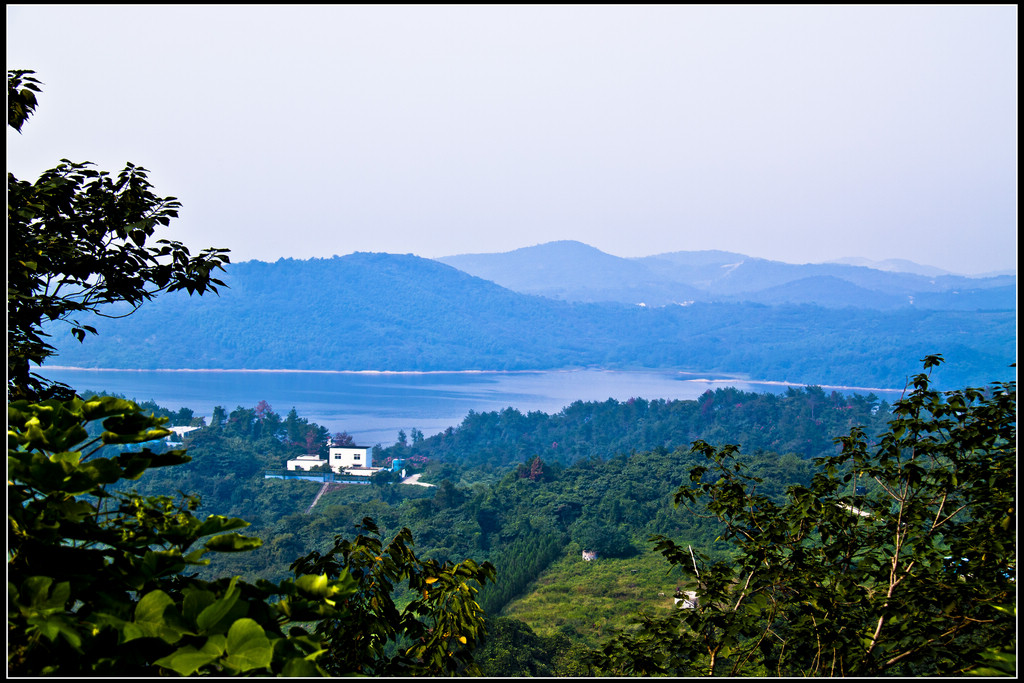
[
  {"x": 21, "y": 97},
  {"x": 433, "y": 635},
  {"x": 314, "y": 439},
  {"x": 385, "y": 478},
  {"x": 512, "y": 649},
  {"x": 96, "y": 582},
  {"x": 183, "y": 418},
  {"x": 599, "y": 534},
  {"x": 295, "y": 427},
  {"x": 268, "y": 423},
  {"x": 448, "y": 496},
  {"x": 77, "y": 244},
  {"x": 914, "y": 576},
  {"x": 240, "y": 422},
  {"x": 263, "y": 410},
  {"x": 91, "y": 571},
  {"x": 96, "y": 577},
  {"x": 343, "y": 440}
]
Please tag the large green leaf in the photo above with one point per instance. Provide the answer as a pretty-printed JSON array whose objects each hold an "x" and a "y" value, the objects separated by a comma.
[
  {"x": 233, "y": 543},
  {"x": 155, "y": 617},
  {"x": 187, "y": 660},
  {"x": 248, "y": 647},
  {"x": 215, "y": 617}
]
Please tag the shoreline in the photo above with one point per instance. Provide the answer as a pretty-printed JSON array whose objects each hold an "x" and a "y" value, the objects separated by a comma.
[
  {"x": 681, "y": 375},
  {"x": 312, "y": 372}
]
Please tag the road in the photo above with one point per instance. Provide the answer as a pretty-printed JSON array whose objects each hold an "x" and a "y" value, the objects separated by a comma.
[{"x": 414, "y": 479}]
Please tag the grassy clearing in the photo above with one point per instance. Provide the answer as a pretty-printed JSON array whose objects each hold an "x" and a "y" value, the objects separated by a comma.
[{"x": 589, "y": 601}]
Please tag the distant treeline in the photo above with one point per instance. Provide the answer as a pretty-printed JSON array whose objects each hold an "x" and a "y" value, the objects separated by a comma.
[{"x": 800, "y": 421}]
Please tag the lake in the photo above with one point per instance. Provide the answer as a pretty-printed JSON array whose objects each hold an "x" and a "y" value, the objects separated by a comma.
[{"x": 373, "y": 406}]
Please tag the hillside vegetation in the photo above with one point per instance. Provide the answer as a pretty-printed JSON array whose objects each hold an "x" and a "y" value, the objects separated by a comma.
[
  {"x": 528, "y": 493},
  {"x": 590, "y": 601},
  {"x": 504, "y": 491}
]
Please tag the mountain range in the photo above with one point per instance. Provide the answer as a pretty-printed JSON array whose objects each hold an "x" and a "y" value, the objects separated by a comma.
[
  {"x": 573, "y": 271},
  {"x": 390, "y": 312}
]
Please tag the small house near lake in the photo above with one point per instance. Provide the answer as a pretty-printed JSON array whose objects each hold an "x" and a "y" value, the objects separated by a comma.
[
  {"x": 348, "y": 457},
  {"x": 305, "y": 462},
  {"x": 341, "y": 459}
]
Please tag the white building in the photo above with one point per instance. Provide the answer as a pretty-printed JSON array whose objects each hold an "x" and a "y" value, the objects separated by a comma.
[
  {"x": 305, "y": 462},
  {"x": 342, "y": 460},
  {"x": 180, "y": 432},
  {"x": 345, "y": 457}
]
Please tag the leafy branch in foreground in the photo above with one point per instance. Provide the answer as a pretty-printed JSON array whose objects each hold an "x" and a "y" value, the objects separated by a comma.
[
  {"x": 77, "y": 244},
  {"x": 433, "y": 634},
  {"x": 898, "y": 559},
  {"x": 95, "y": 579},
  {"x": 96, "y": 582}
]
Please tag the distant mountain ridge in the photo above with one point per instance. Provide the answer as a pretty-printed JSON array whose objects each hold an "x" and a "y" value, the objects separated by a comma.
[
  {"x": 370, "y": 311},
  {"x": 894, "y": 265},
  {"x": 573, "y": 271}
]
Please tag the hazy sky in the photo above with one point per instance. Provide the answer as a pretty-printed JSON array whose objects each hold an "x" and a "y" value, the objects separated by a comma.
[{"x": 800, "y": 134}]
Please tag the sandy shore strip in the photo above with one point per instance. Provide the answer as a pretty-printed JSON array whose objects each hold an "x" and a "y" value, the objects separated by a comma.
[
  {"x": 683, "y": 376},
  {"x": 310, "y": 372}
]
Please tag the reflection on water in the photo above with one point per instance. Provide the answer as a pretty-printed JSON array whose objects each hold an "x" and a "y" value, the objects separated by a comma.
[{"x": 372, "y": 407}]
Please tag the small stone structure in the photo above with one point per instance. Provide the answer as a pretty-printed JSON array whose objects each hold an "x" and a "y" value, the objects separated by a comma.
[
  {"x": 687, "y": 598},
  {"x": 589, "y": 555}
]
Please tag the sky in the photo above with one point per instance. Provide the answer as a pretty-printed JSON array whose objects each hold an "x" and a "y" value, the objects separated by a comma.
[{"x": 800, "y": 134}]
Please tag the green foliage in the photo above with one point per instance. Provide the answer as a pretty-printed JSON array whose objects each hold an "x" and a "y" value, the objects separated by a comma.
[
  {"x": 520, "y": 562},
  {"x": 512, "y": 649},
  {"x": 77, "y": 243},
  {"x": 433, "y": 634},
  {"x": 800, "y": 421},
  {"x": 600, "y": 535},
  {"x": 590, "y": 601},
  {"x": 914, "y": 577},
  {"x": 96, "y": 582},
  {"x": 21, "y": 97}
]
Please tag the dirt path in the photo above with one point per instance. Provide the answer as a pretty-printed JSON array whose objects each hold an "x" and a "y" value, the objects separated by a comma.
[{"x": 414, "y": 479}]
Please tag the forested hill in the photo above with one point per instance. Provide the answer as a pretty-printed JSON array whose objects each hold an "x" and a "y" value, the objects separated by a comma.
[
  {"x": 369, "y": 311},
  {"x": 800, "y": 421}
]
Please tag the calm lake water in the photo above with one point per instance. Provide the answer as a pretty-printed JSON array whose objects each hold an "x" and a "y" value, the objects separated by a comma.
[{"x": 372, "y": 407}]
